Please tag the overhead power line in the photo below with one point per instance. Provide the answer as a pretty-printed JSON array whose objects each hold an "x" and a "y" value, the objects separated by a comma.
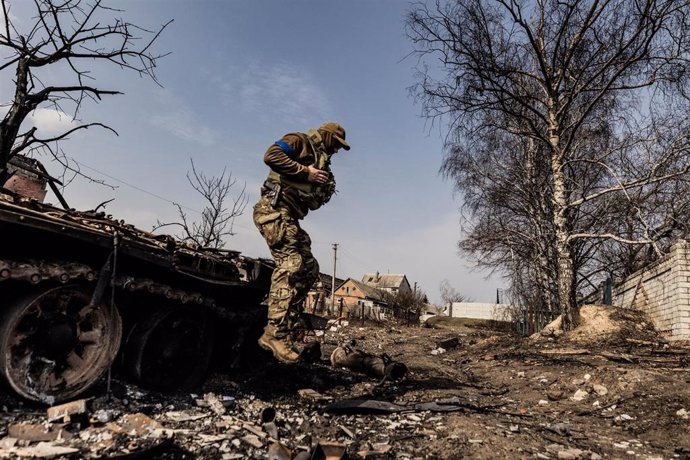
[
  {"x": 135, "y": 187},
  {"x": 143, "y": 190}
]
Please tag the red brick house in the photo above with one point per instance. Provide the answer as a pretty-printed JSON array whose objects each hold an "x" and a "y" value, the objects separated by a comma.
[{"x": 358, "y": 299}]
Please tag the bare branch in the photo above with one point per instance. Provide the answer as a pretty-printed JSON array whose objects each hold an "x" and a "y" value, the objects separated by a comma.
[
  {"x": 217, "y": 217},
  {"x": 75, "y": 33}
]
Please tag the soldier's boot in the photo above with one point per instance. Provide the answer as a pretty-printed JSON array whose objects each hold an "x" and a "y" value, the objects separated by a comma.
[{"x": 281, "y": 347}]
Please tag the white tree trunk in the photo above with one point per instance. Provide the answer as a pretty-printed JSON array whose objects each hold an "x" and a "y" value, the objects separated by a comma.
[{"x": 565, "y": 276}]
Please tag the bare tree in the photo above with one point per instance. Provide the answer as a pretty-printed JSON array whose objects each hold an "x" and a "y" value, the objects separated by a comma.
[
  {"x": 449, "y": 294},
  {"x": 69, "y": 35},
  {"x": 219, "y": 213},
  {"x": 593, "y": 91},
  {"x": 406, "y": 306}
]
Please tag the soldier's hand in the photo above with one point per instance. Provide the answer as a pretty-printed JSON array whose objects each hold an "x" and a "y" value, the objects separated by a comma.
[{"x": 317, "y": 175}]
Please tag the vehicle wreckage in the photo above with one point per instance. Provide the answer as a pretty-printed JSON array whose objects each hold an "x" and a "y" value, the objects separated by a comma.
[{"x": 82, "y": 292}]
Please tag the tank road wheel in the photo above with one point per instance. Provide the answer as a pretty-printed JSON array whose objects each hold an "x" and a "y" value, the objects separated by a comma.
[
  {"x": 53, "y": 345},
  {"x": 171, "y": 349}
]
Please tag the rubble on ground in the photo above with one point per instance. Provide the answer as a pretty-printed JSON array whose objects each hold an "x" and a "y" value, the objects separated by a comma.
[{"x": 489, "y": 394}]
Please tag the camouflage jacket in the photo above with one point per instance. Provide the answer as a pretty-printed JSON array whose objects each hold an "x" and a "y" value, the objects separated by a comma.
[{"x": 288, "y": 159}]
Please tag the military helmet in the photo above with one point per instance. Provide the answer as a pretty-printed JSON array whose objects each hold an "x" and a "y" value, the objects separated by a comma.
[{"x": 337, "y": 131}]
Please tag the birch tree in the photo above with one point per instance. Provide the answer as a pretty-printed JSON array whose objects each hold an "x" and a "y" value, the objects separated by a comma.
[{"x": 589, "y": 96}]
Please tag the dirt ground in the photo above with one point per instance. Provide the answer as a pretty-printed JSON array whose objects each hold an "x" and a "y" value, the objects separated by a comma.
[{"x": 615, "y": 392}]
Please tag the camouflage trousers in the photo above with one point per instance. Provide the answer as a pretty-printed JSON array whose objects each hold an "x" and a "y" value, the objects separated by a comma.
[{"x": 296, "y": 268}]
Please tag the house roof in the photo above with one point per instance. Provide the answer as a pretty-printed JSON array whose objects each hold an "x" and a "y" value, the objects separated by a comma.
[
  {"x": 369, "y": 292},
  {"x": 386, "y": 281},
  {"x": 327, "y": 282}
]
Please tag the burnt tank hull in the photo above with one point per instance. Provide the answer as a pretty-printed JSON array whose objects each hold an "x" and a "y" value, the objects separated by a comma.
[{"x": 81, "y": 291}]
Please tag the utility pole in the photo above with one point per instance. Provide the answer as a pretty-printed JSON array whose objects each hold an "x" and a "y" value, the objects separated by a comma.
[{"x": 335, "y": 258}]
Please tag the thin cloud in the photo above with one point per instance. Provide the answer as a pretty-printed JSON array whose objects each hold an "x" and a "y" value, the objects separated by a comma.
[
  {"x": 49, "y": 122},
  {"x": 282, "y": 90},
  {"x": 180, "y": 121}
]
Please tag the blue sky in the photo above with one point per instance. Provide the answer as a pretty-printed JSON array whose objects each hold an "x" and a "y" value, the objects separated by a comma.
[{"x": 243, "y": 73}]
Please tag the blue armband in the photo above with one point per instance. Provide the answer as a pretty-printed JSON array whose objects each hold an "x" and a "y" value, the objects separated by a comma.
[{"x": 285, "y": 148}]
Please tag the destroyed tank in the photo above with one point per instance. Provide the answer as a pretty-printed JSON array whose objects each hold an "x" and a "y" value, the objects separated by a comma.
[{"x": 82, "y": 293}]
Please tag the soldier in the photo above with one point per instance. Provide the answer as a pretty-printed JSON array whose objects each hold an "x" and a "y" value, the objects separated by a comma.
[{"x": 300, "y": 180}]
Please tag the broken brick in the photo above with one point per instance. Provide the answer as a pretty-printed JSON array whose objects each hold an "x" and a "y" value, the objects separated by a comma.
[
  {"x": 66, "y": 412},
  {"x": 38, "y": 432}
]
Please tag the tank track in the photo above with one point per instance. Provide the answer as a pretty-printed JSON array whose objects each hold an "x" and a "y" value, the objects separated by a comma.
[{"x": 36, "y": 272}]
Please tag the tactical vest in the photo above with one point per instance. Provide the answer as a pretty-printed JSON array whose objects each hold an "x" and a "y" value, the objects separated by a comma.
[{"x": 313, "y": 195}]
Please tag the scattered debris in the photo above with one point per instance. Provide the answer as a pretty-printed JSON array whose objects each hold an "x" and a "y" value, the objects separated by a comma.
[
  {"x": 179, "y": 417},
  {"x": 601, "y": 390},
  {"x": 253, "y": 441},
  {"x": 327, "y": 450},
  {"x": 136, "y": 425},
  {"x": 570, "y": 454},
  {"x": 555, "y": 395},
  {"x": 449, "y": 343},
  {"x": 66, "y": 412},
  {"x": 518, "y": 404},
  {"x": 277, "y": 451},
  {"x": 347, "y": 431},
  {"x": 363, "y": 406},
  {"x": 40, "y": 450},
  {"x": 38, "y": 432},
  {"x": 215, "y": 403},
  {"x": 565, "y": 351},
  {"x": 376, "y": 366},
  {"x": 312, "y": 395},
  {"x": 272, "y": 430},
  {"x": 579, "y": 395},
  {"x": 619, "y": 357},
  {"x": 562, "y": 429}
]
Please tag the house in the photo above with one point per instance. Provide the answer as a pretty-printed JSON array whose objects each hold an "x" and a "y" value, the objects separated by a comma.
[
  {"x": 317, "y": 300},
  {"x": 357, "y": 299},
  {"x": 390, "y": 283}
]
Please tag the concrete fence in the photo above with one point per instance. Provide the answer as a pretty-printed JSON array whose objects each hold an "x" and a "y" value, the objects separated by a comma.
[
  {"x": 476, "y": 310},
  {"x": 662, "y": 291}
]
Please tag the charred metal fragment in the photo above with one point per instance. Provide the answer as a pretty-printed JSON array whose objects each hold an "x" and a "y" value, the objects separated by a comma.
[
  {"x": 373, "y": 406},
  {"x": 364, "y": 406},
  {"x": 374, "y": 366},
  {"x": 268, "y": 415},
  {"x": 327, "y": 450}
]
